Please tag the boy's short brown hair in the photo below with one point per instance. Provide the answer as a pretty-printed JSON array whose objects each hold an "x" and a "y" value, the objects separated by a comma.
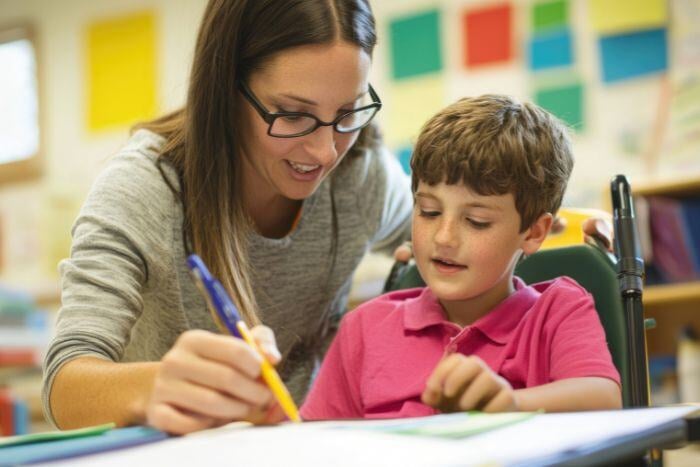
[{"x": 496, "y": 145}]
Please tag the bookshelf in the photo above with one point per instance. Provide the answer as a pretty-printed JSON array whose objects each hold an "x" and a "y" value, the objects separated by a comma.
[
  {"x": 676, "y": 304},
  {"x": 655, "y": 295}
]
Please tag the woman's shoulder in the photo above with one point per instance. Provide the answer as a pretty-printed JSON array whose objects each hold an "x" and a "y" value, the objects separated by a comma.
[
  {"x": 136, "y": 178},
  {"x": 140, "y": 156}
]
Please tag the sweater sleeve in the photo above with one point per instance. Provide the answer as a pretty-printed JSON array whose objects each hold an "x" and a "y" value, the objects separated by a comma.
[{"x": 115, "y": 238}]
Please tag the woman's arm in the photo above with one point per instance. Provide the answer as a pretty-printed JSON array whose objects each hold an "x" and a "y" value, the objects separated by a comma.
[
  {"x": 90, "y": 391},
  {"x": 205, "y": 380},
  {"x": 573, "y": 394}
]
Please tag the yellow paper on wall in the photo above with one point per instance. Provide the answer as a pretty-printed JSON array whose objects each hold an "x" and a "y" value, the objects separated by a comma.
[
  {"x": 121, "y": 71},
  {"x": 618, "y": 16},
  {"x": 413, "y": 101}
]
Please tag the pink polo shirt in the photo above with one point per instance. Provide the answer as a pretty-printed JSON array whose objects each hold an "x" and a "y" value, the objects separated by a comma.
[{"x": 385, "y": 350}]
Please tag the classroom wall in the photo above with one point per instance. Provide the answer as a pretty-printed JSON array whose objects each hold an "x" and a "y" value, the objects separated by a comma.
[
  {"x": 621, "y": 119},
  {"x": 36, "y": 215}
]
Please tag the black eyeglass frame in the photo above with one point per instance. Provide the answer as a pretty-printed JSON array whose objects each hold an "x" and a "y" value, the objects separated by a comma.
[{"x": 270, "y": 117}]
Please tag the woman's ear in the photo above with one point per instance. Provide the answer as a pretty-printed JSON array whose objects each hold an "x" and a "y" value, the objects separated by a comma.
[{"x": 537, "y": 233}]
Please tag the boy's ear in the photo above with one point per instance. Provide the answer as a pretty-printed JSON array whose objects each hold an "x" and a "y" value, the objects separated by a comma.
[{"x": 537, "y": 233}]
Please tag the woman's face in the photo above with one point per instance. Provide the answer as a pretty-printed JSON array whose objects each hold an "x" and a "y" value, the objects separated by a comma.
[{"x": 323, "y": 80}]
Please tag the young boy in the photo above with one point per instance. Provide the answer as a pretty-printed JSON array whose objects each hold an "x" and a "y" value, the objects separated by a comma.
[{"x": 489, "y": 174}]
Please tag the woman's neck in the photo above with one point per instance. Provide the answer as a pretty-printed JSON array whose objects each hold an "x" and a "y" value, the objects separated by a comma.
[{"x": 272, "y": 216}]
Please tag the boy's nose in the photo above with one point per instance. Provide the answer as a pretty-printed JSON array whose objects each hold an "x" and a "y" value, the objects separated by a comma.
[
  {"x": 446, "y": 234},
  {"x": 321, "y": 145}
]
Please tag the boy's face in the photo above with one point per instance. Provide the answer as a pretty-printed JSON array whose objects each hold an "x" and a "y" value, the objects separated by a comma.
[{"x": 466, "y": 245}]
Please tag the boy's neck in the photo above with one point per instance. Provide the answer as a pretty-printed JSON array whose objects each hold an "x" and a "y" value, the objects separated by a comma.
[{"x": 467, "y": 312}]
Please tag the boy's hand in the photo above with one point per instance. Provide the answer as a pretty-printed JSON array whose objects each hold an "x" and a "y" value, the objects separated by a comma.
[{"x": 461, "y": 383}]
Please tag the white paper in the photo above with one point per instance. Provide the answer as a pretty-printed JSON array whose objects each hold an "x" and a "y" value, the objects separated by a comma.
[{"x": 334, "y": 444}]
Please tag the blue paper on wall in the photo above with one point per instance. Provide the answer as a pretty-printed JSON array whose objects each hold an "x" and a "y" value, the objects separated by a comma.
[
  {"x": 404, "y": 156},
  {"x": 551, "y": 50},
  {"x": 627, "y": 56}
]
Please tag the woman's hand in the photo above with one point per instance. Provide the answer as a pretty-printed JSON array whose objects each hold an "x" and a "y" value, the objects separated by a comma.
[
  {"x": 404, "y": 252},
  {"x": 208, "y": 380},
  {"x": 461, "y": 383},
  {"x": 598, "y": 227},
  {"x": 601, "y": 229}
]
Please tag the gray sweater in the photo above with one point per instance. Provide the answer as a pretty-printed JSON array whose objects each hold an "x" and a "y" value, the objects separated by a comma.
[{"x": 127, "y": 294}]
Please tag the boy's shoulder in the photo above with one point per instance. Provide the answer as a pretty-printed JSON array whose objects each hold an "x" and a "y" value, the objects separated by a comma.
[
  {"x": 386, "y": 309},
  {"x": 560, "y": 288},
  {"x": 561, "y": 297}
]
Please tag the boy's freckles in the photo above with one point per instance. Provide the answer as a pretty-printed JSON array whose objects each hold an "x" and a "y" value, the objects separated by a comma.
[{"x": 466, "y": 245}]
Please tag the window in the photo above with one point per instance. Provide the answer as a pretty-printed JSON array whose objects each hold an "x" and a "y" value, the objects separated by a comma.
[{"x": 19, "y": 105}]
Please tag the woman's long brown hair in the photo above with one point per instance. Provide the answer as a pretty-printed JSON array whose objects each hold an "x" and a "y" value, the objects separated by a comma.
[{"x": 236, "y": 37}]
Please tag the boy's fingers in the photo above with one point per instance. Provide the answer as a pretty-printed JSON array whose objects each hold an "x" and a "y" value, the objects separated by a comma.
[
  {"x": 482, "y": 389},
  {"x": 432, "y": 394},
  {"x": 460, "y": 377},
  {"x": 265, "y": 338},
  {"x": 446, "y": 365}
]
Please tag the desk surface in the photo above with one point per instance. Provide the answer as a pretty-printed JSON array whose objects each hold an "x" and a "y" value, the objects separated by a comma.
[{"x": 547, "y": 439}]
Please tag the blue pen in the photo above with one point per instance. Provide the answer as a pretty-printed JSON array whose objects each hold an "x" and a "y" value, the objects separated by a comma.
[
  {"x": 218, "y": 300},
  {"x": 215, "y": 295}
]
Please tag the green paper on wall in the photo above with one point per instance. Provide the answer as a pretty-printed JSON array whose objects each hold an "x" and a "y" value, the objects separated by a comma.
[
  {"x": 566, "y": 102},
  {"x": 550, "y": 14},
  {"x": 415, "y": 45}
]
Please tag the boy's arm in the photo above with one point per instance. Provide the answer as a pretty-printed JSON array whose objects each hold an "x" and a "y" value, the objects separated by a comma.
[
  {"x": 581, "y": 371},
  {"x": 572, "y": 394}
]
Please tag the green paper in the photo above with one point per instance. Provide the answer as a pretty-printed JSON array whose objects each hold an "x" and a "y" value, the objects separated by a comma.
[
  {"x": 552, "y": 14},
  {"x": 454, "y": 426},
  {"x": 415, "y": 45},
  {"x": 566, "y": 102},
  {"x": 55, "y": 435}
]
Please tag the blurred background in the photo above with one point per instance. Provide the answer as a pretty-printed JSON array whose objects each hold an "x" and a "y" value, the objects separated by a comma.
[{"x": 623, "y": 74}]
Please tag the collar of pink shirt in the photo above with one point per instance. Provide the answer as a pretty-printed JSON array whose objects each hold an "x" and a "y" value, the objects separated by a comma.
[{"x": 425, "y": 311}]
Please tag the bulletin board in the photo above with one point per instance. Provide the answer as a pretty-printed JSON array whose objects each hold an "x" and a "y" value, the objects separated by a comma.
[{"x": 623, "y": 75}]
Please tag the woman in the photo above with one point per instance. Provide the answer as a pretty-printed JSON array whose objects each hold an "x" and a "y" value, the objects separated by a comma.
[
  {"x": 268, "y": 214},
  {"x": 274, "y": 175}
]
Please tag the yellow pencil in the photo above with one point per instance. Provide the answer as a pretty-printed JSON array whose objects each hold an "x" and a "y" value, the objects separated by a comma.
[
  {"x": 223, "y": 307},
  {"x": 271, "y": 377}
]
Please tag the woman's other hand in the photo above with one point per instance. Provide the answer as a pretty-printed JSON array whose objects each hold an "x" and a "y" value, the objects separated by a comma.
[
  {"x": 598, "y": 227},
  {"x": 404, "y": 252}
]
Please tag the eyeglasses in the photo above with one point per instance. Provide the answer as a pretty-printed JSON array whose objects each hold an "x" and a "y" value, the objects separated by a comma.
[{"x": 293, "y": 124}]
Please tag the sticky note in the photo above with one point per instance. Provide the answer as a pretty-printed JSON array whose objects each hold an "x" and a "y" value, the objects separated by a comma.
[
  {"x": 552, "y": 49},
  {"x": 121, "y": 71},
  {"x": 552, "y": 14},
  {"x": 415, "y": 45},
  {"x": 617, "y": 16},
  {"x": 635, "y": 54},
  {"x": 411, "y": 103},
  {"x": 404, "y": 155},
  {"x": 488, "y": 35},
  {"x": 565, "y": 101}
]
